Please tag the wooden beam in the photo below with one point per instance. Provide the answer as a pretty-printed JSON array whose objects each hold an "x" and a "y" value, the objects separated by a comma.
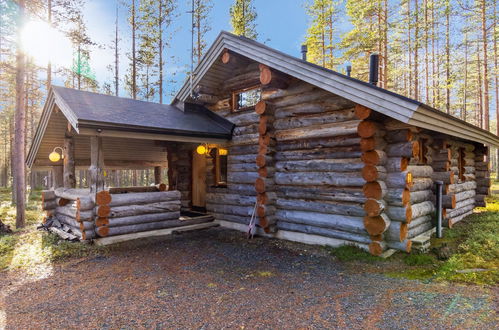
[
  {"x": 96, "y": 164},
  {"x": 109, "y": 164},
  {"x": 149, "y": 136},
  {"x": 157, "y": 174},
  {"x": 69, "y": 161},
  {"x": 58, "y": 176}
]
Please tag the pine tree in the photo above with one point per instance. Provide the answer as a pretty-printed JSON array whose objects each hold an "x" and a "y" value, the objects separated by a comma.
[
  {"x": 242, "y": 18},
  {"x": 321, "y": 34},
  {"x": 20, "y": 124},
  {"x": 201, "y": 26}
]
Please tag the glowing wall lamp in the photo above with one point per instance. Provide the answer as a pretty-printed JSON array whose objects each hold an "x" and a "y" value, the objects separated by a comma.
[
  {"x": 54, "y": 156},
  {"x": 202, "y": 149}
]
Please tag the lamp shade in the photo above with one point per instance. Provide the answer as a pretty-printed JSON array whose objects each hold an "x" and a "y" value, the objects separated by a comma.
[
  {"x": 223, "y": 152},
  {"x": 54, "y": 156}
]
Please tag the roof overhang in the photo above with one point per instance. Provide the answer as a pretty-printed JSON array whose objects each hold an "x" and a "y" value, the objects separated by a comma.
[
  {"x": 114, "y": 130},
  {"x": 383, "y": 101}
]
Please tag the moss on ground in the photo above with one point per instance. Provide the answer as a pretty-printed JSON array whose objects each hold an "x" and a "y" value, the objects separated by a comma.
[
  {"x": 28, "y": 247},
  {"x": 473, "y": 244}
]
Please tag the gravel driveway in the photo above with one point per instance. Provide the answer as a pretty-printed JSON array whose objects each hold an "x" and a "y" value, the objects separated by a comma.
[{"x": 217, "y": 279}]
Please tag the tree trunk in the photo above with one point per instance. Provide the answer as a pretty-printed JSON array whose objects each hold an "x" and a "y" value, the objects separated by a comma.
[{"x": 20, "y": 126}]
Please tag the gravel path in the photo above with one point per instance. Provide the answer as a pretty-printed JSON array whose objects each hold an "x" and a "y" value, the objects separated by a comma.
[{"x": 217, "y": 279}]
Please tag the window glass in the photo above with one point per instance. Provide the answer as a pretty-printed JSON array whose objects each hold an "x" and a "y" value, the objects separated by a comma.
[{"x": 246, "y": 99}]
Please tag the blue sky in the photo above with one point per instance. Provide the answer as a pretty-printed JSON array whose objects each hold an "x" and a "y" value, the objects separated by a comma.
[{"x": 281, "y": 24}]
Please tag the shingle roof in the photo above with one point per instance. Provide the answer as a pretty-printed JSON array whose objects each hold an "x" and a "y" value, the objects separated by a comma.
[{"x": 92, "y": 109}]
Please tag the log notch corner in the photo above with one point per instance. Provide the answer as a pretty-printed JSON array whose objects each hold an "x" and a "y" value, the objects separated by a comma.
[{"x": 372, "y": 142}]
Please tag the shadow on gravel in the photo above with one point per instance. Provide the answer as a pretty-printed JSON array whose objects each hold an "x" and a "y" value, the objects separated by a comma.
[{"x": 217, "y": 278}]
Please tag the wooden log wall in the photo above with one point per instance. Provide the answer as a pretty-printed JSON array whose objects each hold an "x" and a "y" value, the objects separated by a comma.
[
  {"x": 180, "y": 170},
  {"x": 135, "y": 212},
  {"x": 419, "y": 192},
  {"x": 73, "y": 208},
  {"x": 235, "y": 202},
  {"x": 460, "y": 184},
  {"x": 374, "y": 171},
  {"x": 318, "y": 181},
  {"x": 482, "y": 174}
]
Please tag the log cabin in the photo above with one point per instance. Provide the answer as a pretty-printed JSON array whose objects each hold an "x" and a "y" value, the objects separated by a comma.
[{"x": 260, "y": 137}]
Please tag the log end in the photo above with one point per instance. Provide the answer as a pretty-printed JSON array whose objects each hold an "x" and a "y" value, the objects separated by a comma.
[
  {"x": 406, "y": 196},
  {"x": 367, "y": 129},
  {"x": 260, "y": 160},
  {"x": 264, "y": 223},
  {"x": 370, "y": 173},
  {"x": 375, "y": 248},
  {"x": 260, "y": 107},
  {"x": 102, "y": 231},
  {"x": 375, "y": 225},
  {"x": 103, "y": 197},
  {"x": 404, "y": 231},
  {"x": 260, "y": 185},
  {"x": 103, "y": 210},
  {"x": 373, "y": 190},
  {"x": 371, "y": 157},
  {"x": 408, "y": 247},
  {"x": 373, "y": 207},
  {"x": 101, "y": 222},
  {"x": 362, "y": 112},
  {"x": 265, "y": 74},
  {"x": 225, "y": 57}
]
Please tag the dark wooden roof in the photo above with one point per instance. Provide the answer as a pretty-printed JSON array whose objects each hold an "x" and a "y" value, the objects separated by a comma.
[
  {"x": 87, "y": 111},
  {"x": 211, "y": 72}
]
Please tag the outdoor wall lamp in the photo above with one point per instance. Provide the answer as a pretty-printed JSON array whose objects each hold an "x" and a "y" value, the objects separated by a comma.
[
  {"x": 54, "y": 156},
  {"x": 204, "y": 149}
]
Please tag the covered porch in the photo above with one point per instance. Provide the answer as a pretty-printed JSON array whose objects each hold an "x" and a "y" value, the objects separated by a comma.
[{"x": 99, "y": 136}]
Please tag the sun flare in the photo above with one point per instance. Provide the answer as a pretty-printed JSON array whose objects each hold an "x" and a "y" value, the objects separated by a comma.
[{"x": 43, "y": 43}]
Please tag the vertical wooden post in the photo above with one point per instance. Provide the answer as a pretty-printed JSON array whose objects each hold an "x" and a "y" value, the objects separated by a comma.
[
  {"x": 96, "y": 164},
  {"x": 57, "y": 176},
  {"x": 69, "y": 161},
  {"x": 157, "y": 174}
]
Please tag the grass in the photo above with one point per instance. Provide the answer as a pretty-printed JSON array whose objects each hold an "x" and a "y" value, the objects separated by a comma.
[
  {"x": 351, "y": 253},
  {"x": 473, "y": 244},
  {"x": 28, "y": 247}
]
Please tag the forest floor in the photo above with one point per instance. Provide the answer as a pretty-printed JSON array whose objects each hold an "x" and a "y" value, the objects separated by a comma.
[{"x": 218, "y": 278}]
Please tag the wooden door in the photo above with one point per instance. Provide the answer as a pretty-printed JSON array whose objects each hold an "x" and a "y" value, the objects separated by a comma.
[{"x": 198, "y": 180}]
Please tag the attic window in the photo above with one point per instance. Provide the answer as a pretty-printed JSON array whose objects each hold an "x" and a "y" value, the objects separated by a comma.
[{"x": 246, "y": 98}]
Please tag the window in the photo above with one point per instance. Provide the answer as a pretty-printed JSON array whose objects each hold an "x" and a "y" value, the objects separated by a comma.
[
  {"x": 246, "y": 98},
  {"x": 221, "y": 167}
]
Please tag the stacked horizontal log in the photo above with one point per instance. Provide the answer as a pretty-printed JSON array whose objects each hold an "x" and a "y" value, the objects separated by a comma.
[
  {"x": 75, "y": 210},
  {"x": 49, "y": 203},
  {"x": 374, "y": 172},
  {"x": 482, "y": 174},
  {"x": 180, "y": 171},
  {"x": 460, "y": 192},
  {"x": 236, "y": 201},
  {"x": 264, "y": 183},
  {"x": 318, "y": 180},
  {"x": 409, "y": 200},
  {"x": 118, "y": 214}
]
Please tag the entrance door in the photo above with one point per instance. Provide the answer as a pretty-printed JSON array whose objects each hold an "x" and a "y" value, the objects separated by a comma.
[{"x": 198, "y": 181}]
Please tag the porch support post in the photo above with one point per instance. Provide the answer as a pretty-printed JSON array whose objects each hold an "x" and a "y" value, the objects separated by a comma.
[
  {"x": 69, "y": 161},
  {"x": 96, "y": 164},
  {"x": 157, "y": 174},
  {"x": 57, "y": 176}
]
